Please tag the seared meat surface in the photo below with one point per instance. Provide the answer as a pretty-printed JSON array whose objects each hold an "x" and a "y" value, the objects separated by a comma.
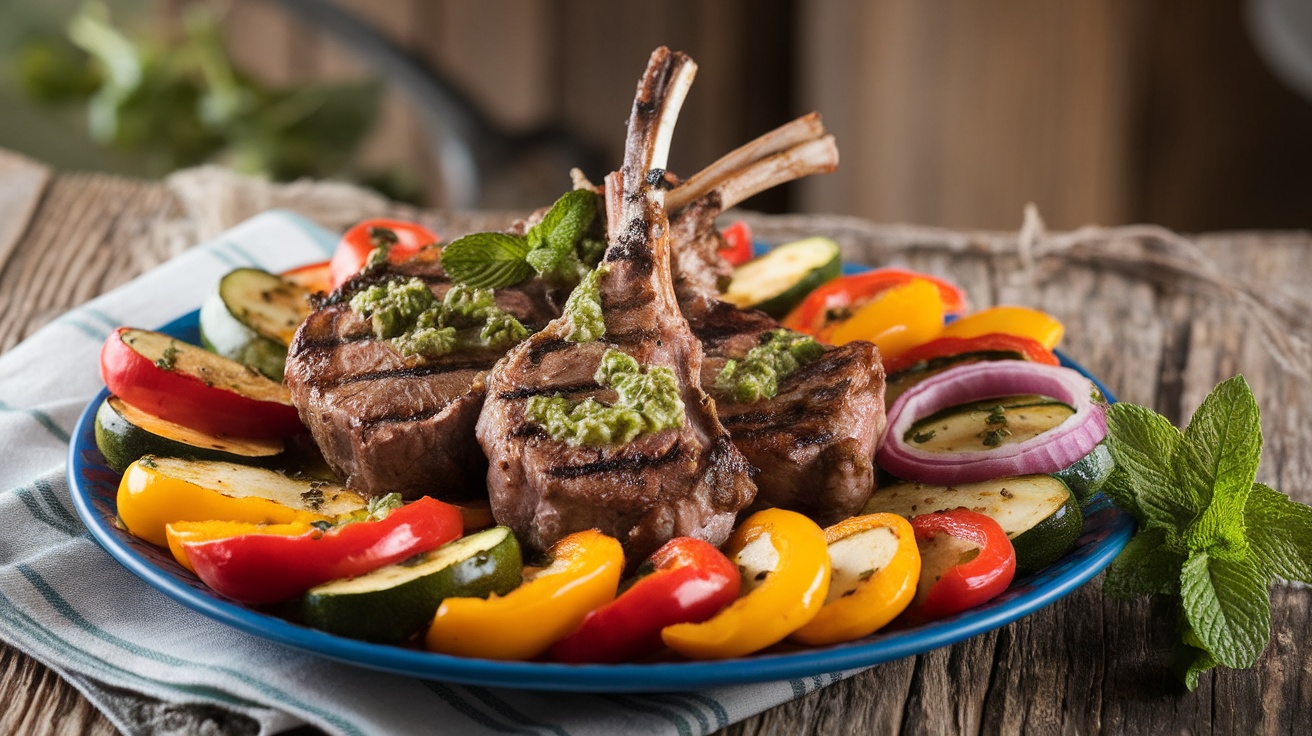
[
  {"x": 814, "y": 442},
  {"x": 679, "y": 480},
  {"x": 391, "y": 423}
]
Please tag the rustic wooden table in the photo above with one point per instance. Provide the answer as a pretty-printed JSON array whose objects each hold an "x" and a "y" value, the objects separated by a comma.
[{"x": 1158, "y": 317}]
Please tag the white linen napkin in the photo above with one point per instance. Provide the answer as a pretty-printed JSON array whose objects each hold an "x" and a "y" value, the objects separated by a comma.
[{"x": 67, "y": 603}]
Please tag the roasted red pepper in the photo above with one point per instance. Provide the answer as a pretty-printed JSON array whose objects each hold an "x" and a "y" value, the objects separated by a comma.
[
  {"x": 951, "y": 579},
  {"x": 835, "y": 301},
  {"x": 265, "y": 568},
  {"x": 399, "y": 238},
  {"x": 690, "y": 581},
  {"x": 188, "y": 385},
  {"x": 737, "y": 248},
  {"x": 1021, "y": 348}
]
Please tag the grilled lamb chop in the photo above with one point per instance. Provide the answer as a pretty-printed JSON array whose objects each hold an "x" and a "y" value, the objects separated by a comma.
[
  {"x": 814, "y": 442},
  {"x": 386, "y": 422},
  {"x": 680, "y": 480}
]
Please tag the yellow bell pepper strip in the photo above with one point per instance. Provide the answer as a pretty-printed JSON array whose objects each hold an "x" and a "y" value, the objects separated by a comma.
[
  {"x": 1009, "y": 319},
  {"x": 180, "y": 532},
  {"x": 151, "y": 495},
  {"x": 896, "y": 321},
  {"x": 784, "y": 563},
  {"x": 876, "y": 565},
  {"x": 584, "y": 574}
]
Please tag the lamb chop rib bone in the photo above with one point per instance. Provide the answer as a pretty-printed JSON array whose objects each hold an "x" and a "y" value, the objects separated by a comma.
[
  {"x": 688, "y": 480},
  {"x": 792, "y": 151}
]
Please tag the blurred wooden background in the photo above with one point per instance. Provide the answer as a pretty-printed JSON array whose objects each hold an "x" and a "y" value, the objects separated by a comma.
[{"x": 947, "y": 112}]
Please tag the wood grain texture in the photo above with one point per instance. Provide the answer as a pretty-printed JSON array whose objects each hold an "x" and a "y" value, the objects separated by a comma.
[{"x": 1139, "y": 314}]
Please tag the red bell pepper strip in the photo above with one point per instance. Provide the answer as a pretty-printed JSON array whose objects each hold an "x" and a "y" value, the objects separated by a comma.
[
  {"x": 834, "y": 301},
  {"x": 188, "y": 385},
  {"x": 737, "y": 248},
  {"x": 1023, "y": 348},
  {"x": 400, "y": 238},
  {"x": 266, "y": 568},
  {"x": 690, "y": 582},
  {"x": 966, "y": 584}
]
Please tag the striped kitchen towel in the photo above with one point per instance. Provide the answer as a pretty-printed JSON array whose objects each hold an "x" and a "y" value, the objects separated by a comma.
[{"x": 149, "y": 662}]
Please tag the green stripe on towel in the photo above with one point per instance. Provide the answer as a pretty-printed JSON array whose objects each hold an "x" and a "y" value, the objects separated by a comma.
[
  {"x": 501, "y": 706},
  {"x": 42, "y": 418},
  {"x": 276, "y": 695},
  {"x": 678, "y": 721},
  {"x": 35, "y": 632},
  {"x": 39, "y": 513},
  {"x": 469, "y": 711}
]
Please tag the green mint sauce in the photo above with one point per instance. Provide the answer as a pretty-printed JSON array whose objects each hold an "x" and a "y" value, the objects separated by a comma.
[
  {"x": 779, "y": 355},
  {"x": 415, "y": 323},
  {"x": 583, "y": 309},
  {"x": 648, "y": 402}
]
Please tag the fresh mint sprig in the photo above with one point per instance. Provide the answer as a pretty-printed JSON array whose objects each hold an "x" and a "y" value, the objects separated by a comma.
[
  {"x": 1208, "y": 534},
  {"x": 558, "y": 248}
]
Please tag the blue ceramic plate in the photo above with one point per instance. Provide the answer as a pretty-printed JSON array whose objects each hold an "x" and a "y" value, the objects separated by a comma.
[{"x": 94, "y": 487}]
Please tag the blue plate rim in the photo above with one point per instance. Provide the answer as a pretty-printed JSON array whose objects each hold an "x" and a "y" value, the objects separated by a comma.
[{"x": 1088, "y": 559}]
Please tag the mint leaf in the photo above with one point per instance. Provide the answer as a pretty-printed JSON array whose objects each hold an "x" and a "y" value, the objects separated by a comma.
[
  {"x": 1148, "y": 565},
  {"x": 554, "y": 241},
  {"x": 1188, "y": 660},
  {"x": 1218, "y": 460},
  {"x": 1143, "y": 444},
  {"x": 1279, "y": 534},
  {"x": 1227, "y": 607},
  {"x": 487, "y": 260},
  {"x": 568, "y": 220}
]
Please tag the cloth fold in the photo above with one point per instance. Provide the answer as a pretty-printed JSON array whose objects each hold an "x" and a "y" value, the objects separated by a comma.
[{"x": 154, "y": 666}]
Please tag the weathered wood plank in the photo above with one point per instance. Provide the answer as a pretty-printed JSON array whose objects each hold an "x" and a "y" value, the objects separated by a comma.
[{"x": 22, "y": 181}]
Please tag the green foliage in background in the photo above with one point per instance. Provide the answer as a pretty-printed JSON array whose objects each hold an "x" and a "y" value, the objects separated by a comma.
[{"x": 180, "y": 102}]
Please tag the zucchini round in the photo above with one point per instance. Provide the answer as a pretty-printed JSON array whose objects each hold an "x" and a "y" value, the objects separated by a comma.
[
  {"x": 253, "y": 317},
  {"x": 1086, "y": 476},
  {"x": 981, "y": 425},
  {"x": 779, "y": 280},
  {"x": 125, "y": 433},
  {"x": 391, "y": 604},
  {"x": 1038, "y": 512}
]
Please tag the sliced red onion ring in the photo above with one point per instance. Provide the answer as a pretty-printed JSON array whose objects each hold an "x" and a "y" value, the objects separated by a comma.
[{"x": 1047, "y": 453}]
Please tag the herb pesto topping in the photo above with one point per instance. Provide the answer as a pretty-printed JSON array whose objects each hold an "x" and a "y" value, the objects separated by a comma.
[
  {"x": 779, "y": 355},
  {"x": 583, "y": 309},
  {"x": 408, "y": 315},
  {"x": 648, "y": 402}
]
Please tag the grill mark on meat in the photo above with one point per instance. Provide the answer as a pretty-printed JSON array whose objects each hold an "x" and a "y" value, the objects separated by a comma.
[
  {"x": 829, "y": 392},
  {"x": 539, "y": 350},
  {"x": 530, "y": 391},
  {"x": 401, "y": 418},
  {"x": 632, "y": 246},
  {"x": 766, "y": 415},
  {"x": 630, "y": 464},
  {"x": 529, "y": 430},
  {"x": 329, "y": 343},
  {"x": 418, "y": 371}
]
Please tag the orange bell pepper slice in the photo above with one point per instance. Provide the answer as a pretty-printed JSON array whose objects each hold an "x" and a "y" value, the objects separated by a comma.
[
  {"x": 876, "y": 567},
  {"x": 584, "y": 574},
  {"x": 836, "y": 300},
  {"x": 1039, "y": 326},
  {"x": 787, "y": 577},
  {"x": 896, "y": 321}
]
